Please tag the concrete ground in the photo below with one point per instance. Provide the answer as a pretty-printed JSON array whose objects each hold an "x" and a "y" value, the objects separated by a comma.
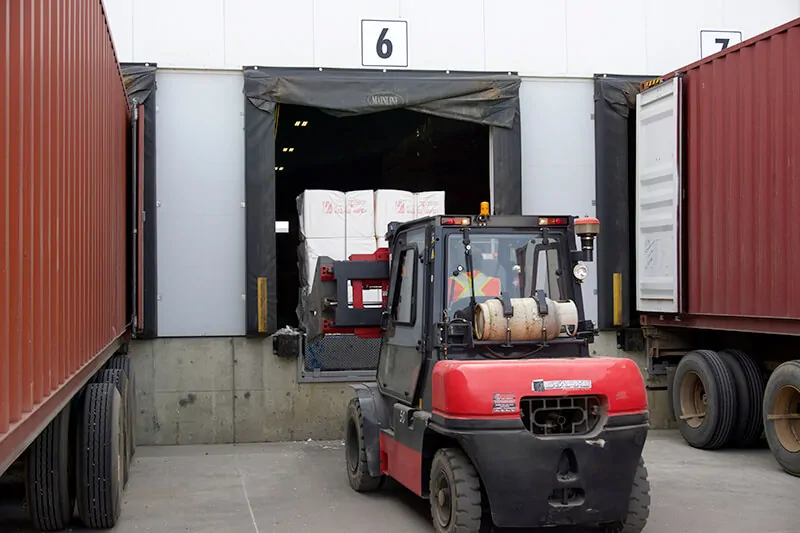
[{"x": 301, "y": 487}]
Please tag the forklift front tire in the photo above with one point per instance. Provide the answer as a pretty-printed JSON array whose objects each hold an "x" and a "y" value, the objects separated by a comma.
[
  {"x": 356, "y": 453},
  {"x": 455, "y": 493}
]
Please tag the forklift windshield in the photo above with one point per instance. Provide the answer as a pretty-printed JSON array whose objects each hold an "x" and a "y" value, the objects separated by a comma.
[{"x": 516, "y": 264}]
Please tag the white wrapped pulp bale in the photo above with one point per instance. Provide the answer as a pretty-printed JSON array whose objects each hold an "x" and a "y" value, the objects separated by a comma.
[
  {"x": 311, "y": 249},
  {"x": 363, "y": 245},
  {"x": 359, "y": 213},
  {"x": 321, "y": 214},
  {"x": 429, "y": 203},
  {"x": 392, "y": 205}
]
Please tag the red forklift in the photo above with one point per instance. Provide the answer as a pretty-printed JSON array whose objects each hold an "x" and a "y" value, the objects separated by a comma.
[{"x": 487, "y": 401}]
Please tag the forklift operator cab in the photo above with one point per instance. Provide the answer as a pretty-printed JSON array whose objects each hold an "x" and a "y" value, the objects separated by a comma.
[{"x": 489, "y": 406}]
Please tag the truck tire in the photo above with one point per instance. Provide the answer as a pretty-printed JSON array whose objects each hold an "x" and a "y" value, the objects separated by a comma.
[
  {"x": 704, "y": 399},
  {"x": 123, "y": 362},
  {"x": 455, "y": 493},
  {"x": 639, "y": 506},
  {"x": 748, "y": 425},
  {"x": 49, "y": 473},
  {"x": 356, "y": 452},
  {"x": 99, "y": 457},
  {"x": 781, "y": 409},
  {"x": 120, "y": 381}
]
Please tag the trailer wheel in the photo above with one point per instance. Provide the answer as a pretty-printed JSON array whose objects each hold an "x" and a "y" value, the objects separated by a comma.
[
  {"x": 100, "y": 456},
  {"x": 750, "y": 398},
  {"x": 120, "y": 381},
  {"x": 356, "y": 452},
  {"x": 49, "y": 473},
  {"x": 639, "y": 506},
  {"x": 782, "y": 416},
  {"x": 455, "y": 493},
  {"x": 704, "y": 399},
  {"x": 123, "y": 362}
]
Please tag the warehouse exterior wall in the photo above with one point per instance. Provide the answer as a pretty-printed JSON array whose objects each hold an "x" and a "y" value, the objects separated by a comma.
[
  {"x": 232, "y": 389},
  {"x": 557, "y": 37}
]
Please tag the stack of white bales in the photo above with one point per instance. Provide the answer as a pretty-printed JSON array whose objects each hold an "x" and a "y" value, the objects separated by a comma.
[{"x": 338, "y": 225}]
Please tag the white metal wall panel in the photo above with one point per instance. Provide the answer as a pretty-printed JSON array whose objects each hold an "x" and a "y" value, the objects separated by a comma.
[
  {"x": 286, "y": 44},
  {"x": 558, "y": 168},
  {"x": 337, "y": 30},
  {"x": 553, "y": 38},
  {"x": 120, "y": 17},
  {"x": 200, "y": 194},
  {"x": 533, "y": 40},
  {"x": 179, "y": 33},
  {"x": 607, "y": 37},
  {"x": 445, "y": 34},
  {"x": 658, "y": 198}
]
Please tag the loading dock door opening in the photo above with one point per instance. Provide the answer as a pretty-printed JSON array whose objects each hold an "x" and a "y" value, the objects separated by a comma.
[{"x": 488, "y": 99}]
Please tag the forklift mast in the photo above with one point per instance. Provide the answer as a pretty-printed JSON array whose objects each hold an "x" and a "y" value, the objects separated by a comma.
[{"x": 336, "y": 303}]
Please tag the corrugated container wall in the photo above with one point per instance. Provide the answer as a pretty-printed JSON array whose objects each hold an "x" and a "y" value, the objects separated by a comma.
[
  {"x": 742, "y": 179},
  {"x": 63, "y": 131}
]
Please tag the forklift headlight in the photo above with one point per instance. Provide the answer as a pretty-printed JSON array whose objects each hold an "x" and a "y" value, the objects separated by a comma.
[{"x": 580, "y": 271}]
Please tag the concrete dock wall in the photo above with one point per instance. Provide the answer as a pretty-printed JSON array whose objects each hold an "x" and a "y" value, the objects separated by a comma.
[{"x": 217, "y": 390}]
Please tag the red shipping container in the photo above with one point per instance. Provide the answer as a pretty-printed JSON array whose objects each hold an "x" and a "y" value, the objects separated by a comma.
[
  {"x": 63, "y": 199},
  {"x": 739, "y": 242}
]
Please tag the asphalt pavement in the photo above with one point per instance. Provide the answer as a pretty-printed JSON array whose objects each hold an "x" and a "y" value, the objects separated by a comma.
[{"x": 302, "y": 487}]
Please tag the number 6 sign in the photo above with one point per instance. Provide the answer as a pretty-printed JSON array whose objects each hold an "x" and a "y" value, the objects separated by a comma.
[{"x": 384, "y": 43}]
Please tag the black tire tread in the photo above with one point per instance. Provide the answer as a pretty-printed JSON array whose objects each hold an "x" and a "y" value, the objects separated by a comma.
[
  {"x": 726, "y": 388},
  {"x": 363, "y": 480},
  {"x": 119, "y": 379},
  {"x": 50, "y": 494},
  {"x": 123, "y": 362},
  {"x": 98, "y": 498},
  {"x": 639, "y": 506},
  {"x": 753, "y": 427},
  {"x": 467, "y": 487}
]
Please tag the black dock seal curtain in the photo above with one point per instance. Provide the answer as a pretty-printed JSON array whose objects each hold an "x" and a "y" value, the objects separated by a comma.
[
  {"x": 484, "y": 98},
  {"x": 615, "y": 154},
  {"x": 140, "y": 84}
]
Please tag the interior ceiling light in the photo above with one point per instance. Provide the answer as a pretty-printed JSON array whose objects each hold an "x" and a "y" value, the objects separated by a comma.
[
  {"x": 280, "y": 168},
  {"x": 305, "y": 123},
  {"x": 301, "y": 123},
  {"x": 288, "y": 149}
]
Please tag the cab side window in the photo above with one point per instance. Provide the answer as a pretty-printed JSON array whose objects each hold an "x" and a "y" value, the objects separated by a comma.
[{"x": 403, "y": 308}]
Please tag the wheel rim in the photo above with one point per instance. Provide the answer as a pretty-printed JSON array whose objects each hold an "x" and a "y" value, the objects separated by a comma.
[
  {"x": 786, "y": 417},
  {"x": 442, "y": 497},
  {"x": 693, "y": 400},
  {"x": 352, "y": 447}
]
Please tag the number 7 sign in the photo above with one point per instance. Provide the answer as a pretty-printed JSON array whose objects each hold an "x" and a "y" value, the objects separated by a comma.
[
  {"x": 384, "y": 43},
  {"x": 713, "y": 41}
]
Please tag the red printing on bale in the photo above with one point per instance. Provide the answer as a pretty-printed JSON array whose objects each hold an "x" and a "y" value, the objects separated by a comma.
[
  {"x": 401, "y": 463},
  {"x": 465, "y": 389}
]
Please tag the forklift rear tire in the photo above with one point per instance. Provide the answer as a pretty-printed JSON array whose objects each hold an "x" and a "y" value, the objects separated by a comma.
[
  {"x": 781, "y": 407},
  {"x": 704, "y": 399},
  {"x": 356, "y": 452},
  {"x": 639, "y": 506},
  {"x": 455, "y": 493}
]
